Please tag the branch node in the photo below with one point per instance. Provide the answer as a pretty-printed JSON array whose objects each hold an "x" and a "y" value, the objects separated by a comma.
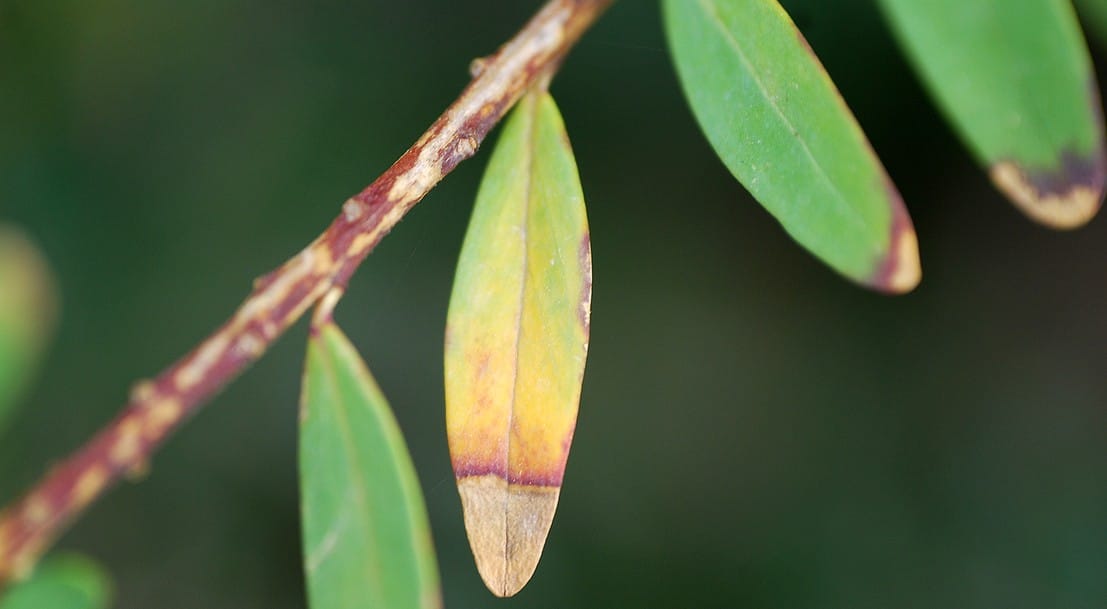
[
  {"x": 476, "y": 67},
  {"x": 314, "y": 276},
  {"x": 142, "y": 391},
  {"x": 324, "y": 311},
  {"x": 353, "y": 210}
]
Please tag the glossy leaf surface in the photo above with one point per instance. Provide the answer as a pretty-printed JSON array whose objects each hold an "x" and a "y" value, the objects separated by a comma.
[
  {"x": 778, "y": 123},
  {"x": 1016, "y": 81},
  {"x": 367, "y": 541},
  {"x": 516, "y": 343},
  {"x": 61, "y": 582}
]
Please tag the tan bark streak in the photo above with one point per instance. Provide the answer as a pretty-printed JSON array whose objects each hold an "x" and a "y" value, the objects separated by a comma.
[
  {"x": 128, "y": 443},
  {"x": 280, "y": 298}
]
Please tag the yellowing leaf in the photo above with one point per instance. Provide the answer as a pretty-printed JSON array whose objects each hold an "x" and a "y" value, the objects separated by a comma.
[
  {"x": 516, "y": 341},
  {"x": 367, "y": 540}
]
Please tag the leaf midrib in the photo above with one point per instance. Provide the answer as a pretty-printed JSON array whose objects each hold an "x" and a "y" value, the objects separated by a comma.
[
  {"x": 360, "y": 492},
  {"x": 711, "y": 10},
  {"x": 529, "y": 109}
]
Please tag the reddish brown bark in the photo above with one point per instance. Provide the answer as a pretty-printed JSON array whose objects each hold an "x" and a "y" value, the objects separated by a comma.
[{"x": 157, "y": 407}]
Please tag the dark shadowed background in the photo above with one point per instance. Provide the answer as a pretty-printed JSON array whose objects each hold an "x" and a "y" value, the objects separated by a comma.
[{"x": 755, "y": 432}]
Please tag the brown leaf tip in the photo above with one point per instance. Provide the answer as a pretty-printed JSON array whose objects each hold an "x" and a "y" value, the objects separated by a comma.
[
  {"x": 900, "y": 271},
  {"x": 1063, "y": 198},
  {"x": 507, "y": 526}
]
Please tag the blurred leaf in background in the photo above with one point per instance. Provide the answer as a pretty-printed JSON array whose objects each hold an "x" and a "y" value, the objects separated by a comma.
[
  {"x": 64, "y": 581},
  {"x": 28, "y": 305},
  {"x": 763, "y": 434}
]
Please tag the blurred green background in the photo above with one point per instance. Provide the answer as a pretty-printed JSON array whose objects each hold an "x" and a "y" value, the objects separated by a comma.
[{"x": 754, "y": 431}]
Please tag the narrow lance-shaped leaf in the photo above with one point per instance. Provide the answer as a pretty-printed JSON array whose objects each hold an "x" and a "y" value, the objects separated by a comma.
[
  {"x": 367, "y": 542},
  {"x": 777, "y": 121},
  {"x": 27, "y": 306},
  {"x": 516, "y": 342},
  {"x": 66, "y": 581},
  {"x": 1015, "y": 79}
]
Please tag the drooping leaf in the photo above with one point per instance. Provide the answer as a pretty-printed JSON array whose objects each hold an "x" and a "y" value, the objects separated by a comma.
[
  {"x": 65, "y": 581},
  {"x": 1015, "y": 79},
  {"x": 516, "y": 341},
  {"x": 777, "y": 121},
  {"x": 367, "y": 542},
  {"x": 27, "y": 305}
]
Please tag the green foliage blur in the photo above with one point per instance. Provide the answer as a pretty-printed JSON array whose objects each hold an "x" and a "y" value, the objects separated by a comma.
[
  {"x": 61, "y": 581},
  {"x": 754, "y": 431}
]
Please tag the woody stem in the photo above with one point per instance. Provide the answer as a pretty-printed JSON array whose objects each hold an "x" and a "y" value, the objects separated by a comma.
[{"x": 157, "y": 407}]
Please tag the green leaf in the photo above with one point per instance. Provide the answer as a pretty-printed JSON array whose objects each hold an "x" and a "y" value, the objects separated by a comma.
[
  {"x": 65, "y": 581},
  {"x": 779, "y": 124},
  {"x": 516, "y": 343},
  {"x": 27, "y": 306},
  {"x": 367, "y": 540},
  {"x": 1015, "y": 79}
]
